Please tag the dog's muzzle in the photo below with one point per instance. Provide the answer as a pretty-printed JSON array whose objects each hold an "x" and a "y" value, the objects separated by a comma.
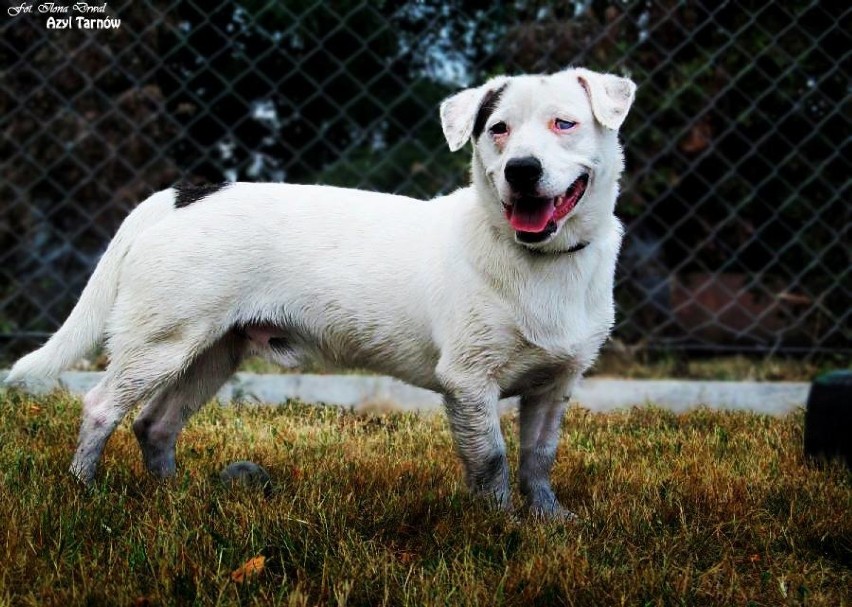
[{"x": 535, "y": 219}]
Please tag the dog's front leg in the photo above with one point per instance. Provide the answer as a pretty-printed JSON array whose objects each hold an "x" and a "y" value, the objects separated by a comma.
[
  {"x": 540, "y": 421},
  {"x": 475, "y": 425}
]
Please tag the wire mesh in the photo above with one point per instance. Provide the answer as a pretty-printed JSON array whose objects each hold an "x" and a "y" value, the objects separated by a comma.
[{"x": 737, "y": 182}]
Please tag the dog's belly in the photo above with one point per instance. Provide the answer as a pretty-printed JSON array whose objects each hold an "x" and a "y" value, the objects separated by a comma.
[{"x": 405, "y": 356}]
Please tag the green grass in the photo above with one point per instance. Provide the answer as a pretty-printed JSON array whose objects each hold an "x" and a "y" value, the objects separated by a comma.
[{"x": 369, "y": 509}]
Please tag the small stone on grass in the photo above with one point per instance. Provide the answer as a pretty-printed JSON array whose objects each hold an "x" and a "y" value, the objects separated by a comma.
[{"x": 247, "y": 474}]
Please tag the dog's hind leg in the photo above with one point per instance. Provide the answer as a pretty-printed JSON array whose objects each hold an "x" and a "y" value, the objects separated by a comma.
[
  {"x": 100, "y": 417},
  {"x": 163, "y": 417},
  {"x": 104, "y": 406},
  {"x": 540, "y": 422},
  {"x": 135, "y": 373}
]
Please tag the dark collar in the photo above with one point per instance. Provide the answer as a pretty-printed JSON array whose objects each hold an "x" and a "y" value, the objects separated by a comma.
[{"x": 575, "y": 249}]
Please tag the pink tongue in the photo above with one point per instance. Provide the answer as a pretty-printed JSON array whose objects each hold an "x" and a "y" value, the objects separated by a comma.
[{"x": 530, "y": 218}]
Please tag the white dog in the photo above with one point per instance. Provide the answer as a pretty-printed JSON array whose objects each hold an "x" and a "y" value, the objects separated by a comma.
[{"x": 501, "y": 288}]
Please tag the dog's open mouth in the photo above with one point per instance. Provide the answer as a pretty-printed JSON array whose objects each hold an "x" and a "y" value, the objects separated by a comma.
[{"x": 534, "y": 219}]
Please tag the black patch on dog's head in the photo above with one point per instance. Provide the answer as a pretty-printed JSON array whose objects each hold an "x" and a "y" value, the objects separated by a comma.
[
  {"x": 486, "y": 108},
  {"x": 186, "y": 193}
]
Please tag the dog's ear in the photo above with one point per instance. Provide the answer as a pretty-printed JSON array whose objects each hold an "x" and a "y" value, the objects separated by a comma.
[
  {"x": 459, "y": 112},
  {"x": 611, "y": 96}
]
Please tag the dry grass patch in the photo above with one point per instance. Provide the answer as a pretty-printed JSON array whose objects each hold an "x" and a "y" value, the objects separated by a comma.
[{"x": 369, "y": 509}]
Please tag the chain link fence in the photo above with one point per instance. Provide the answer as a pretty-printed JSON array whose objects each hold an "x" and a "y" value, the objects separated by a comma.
[{"x": 736, "y": 194}]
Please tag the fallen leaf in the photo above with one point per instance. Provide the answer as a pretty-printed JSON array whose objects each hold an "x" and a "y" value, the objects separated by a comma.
[
  {"x": 251, "y": 568},
  {"x": 754, "y": 558}
]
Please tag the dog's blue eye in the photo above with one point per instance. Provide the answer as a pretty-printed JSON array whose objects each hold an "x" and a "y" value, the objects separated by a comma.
[
  {"x": 498, "y": 128},
  {"x": 563, "y": 125}
]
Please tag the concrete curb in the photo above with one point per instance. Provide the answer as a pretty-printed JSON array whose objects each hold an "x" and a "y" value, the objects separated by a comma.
[{"x": 596, "y": 394}]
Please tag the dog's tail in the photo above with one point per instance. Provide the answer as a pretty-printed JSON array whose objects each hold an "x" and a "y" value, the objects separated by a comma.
[{"x": 84, "y": 328}]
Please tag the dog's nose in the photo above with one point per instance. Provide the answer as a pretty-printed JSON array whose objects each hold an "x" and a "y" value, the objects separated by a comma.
[{"x": 523, "y": 173}]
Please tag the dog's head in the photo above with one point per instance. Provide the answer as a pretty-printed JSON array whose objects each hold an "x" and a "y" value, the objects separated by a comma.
[{"x": 545, "y": 150}]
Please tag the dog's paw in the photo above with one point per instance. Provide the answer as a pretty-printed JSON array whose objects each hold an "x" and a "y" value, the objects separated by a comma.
[
  {"x": 83, "y": 475},
  {"x": 553, "y": 512},
  {"x": 495, "y": 499},
  {"x": 545, "y": 506}
]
